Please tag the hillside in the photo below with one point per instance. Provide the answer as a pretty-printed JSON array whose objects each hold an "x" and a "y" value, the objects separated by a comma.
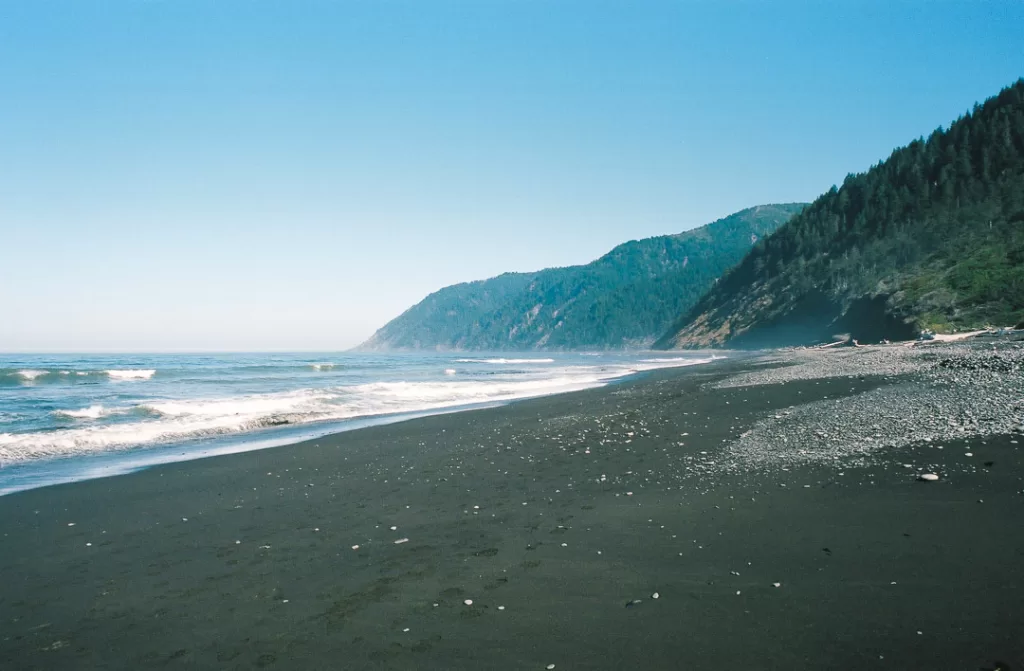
[
  {"x": 933, "y": 237},
  {"x": 625, "y": 298}
]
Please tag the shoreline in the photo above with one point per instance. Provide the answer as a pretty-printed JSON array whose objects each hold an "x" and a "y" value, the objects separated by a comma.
[
  {"x": 34, "y": 474},
  {"x": 559, "y": 517}
]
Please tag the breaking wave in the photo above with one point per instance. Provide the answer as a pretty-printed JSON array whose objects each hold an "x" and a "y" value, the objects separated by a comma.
[
  {"x": 505, "y": 361},
  {"x": 64, "y": 376},
  {"x": 171, "y": 421},
  {"x": 130, "y": 374},
  {"x": 125, "y": 423},
  {"x": 92, "y": 412}
]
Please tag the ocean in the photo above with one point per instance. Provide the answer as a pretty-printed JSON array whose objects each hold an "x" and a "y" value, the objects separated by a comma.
[{"x": 71, "y": 417}]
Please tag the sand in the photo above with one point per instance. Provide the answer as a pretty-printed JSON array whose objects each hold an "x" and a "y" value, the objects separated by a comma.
[{"x": 537, "y": 534}]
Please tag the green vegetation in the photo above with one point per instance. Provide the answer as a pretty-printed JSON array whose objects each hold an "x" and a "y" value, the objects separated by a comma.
[
  {"x": 625, "y": 298},
  {"x": 933, "y": 237}
]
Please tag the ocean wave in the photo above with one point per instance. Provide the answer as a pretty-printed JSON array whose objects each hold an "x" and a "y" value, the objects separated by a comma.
[
  {"x": 65, "y": 376},
  {"x": 130, "y": 374},
  {"x": 501, "y": 361},
  {"x": 150, "y": 422},
  {"x": 176, "y": 421},
  {"x": 92, "y": 412},
  {"x": 321, "y": 366},
  {"x": 656, "y": 364}
]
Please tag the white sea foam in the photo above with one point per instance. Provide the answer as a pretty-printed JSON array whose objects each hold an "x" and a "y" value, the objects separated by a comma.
[
  {"x": 92, "y": 412},
  {"x": 666, "y": 359},
  {"x": 130, "y": 374},
  {"x": 449, "y": 371},
  {"x": 174, "y": 421},
  {"x": 31, "y": 374},
  {"x": 655, "y": 364},
  {"x": 505, "y": 361},
  {"x": 263, "y": 405},
  {"x": 321, "y": 366},
  {"x": 170, "y": 421}
]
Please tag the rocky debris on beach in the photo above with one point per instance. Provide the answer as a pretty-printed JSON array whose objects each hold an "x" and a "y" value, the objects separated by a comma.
[{"x": 926, "y": 396}]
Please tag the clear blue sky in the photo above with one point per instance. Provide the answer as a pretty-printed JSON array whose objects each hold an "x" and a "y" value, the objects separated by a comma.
[{"x": 218, "y": 174}]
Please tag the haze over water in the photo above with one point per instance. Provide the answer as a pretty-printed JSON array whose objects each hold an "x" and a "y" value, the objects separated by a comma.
[{"x": 67, "y": 417}]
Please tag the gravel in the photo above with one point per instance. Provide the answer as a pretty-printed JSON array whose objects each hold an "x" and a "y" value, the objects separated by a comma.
[{"x": 930, "y": 394}]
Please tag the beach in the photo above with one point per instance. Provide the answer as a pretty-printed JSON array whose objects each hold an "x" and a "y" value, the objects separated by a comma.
[{"x": 538, "y": 533}]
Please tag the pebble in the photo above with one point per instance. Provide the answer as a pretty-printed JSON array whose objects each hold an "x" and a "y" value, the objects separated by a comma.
[
  {"x": 355, "y": 547},
  {"x": 776, "y": 584},
  {"x": 655, "y": 595},
  {"x": 928, "y": 477},
  {"x": 468, "y": 602},
  {"x": 401, "y": 540}
]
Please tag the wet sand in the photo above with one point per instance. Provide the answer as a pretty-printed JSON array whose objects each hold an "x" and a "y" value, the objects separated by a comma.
[{"x": 559, "y": 518}]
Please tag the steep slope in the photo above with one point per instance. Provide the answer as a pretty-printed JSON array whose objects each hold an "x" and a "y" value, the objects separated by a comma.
[
  {"x": 931, "y": 238},
  {"x": 625, "y": 298}
]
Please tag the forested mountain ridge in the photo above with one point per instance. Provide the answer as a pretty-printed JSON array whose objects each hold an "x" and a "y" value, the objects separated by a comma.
[
  {"x": 626, "y": 298},
  {"x": 933, "y": 237}
]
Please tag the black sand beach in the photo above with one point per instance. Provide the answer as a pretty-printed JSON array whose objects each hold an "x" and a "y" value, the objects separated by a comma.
[{"x": 559, "y": 518}]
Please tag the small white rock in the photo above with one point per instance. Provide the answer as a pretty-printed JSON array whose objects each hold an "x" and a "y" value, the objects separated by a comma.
[
  {"x": 655, "y": 595},
  {"x": 401, "y": 540},
  {"x": 468, "y": 602},
  {"x": 355, "y": 547},
  {"x": 776, "y": 584},
  {"x": 928, "y": 477}
]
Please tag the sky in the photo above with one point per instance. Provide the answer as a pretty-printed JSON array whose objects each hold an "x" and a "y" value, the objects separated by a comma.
[{"x": 253, "y": 175}]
